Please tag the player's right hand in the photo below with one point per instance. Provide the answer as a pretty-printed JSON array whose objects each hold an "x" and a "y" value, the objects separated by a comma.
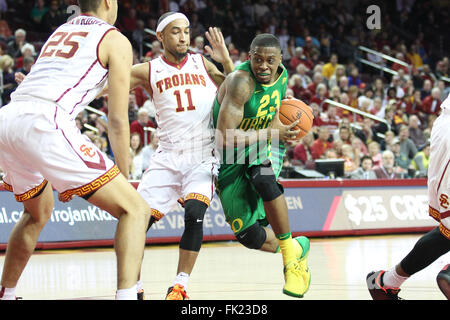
[{"x": 285, "y": 132}]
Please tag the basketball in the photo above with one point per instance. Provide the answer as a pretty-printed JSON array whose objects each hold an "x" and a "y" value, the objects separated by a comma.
[{"x": 293, "y": 109}]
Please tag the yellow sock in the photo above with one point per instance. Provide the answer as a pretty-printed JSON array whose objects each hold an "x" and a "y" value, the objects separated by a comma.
[
  {"x": 297, "y": 247},
  {"x": 288, "y": 250}
]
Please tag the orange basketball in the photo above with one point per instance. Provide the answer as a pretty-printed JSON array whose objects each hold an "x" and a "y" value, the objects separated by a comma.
[{"x": 293, "y": 109}]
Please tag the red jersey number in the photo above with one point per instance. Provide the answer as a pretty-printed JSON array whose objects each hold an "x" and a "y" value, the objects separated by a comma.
[{"x": 70, "y": 46}]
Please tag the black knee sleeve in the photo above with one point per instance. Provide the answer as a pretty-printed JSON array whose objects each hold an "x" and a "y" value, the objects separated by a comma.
[
  {"x": 151, "y": 222},
  {"x": 427, "y": 249},
  {"x": 265, "y": 182},
  {"x": 253, "y": 237},
  {"x": 194, "y": 212}
]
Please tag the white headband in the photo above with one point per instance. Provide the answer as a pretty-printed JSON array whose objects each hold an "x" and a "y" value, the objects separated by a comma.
[{"x": 169, "y": 19}]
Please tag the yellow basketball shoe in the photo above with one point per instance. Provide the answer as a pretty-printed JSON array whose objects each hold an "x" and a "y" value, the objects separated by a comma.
[
  {"x": 303, "y": 260},
  {"x": 295, "y": 285}
]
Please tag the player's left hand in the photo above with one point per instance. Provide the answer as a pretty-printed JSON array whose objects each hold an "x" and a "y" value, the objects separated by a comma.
[{"x": 217, "y": 49}]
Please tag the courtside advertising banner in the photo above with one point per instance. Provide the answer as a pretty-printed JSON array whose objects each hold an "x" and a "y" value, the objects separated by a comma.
[{"x": 315, "y": 209}]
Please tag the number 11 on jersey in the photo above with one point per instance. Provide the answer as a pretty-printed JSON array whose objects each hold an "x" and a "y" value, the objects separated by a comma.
[{"x": 180, "y": 107}]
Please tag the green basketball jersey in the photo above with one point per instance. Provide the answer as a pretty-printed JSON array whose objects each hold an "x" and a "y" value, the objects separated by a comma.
[{"x": 258, "y": 114}]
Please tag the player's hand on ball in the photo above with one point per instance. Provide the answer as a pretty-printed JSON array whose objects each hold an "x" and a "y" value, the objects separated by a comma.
[{"x": 285, "y": 132}]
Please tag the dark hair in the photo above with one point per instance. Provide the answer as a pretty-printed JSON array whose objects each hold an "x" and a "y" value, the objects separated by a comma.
[
  {"x": 89, "y": 5},
  {"x": 365, "y": 158},
  {"x": 265, "y": 40}
]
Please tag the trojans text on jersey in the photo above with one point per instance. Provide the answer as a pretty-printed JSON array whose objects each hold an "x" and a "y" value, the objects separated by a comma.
[{"x": 180, "y": 80}]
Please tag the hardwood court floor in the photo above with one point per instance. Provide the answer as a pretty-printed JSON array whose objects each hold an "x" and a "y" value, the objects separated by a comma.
[{"x": 228, "y": 271}]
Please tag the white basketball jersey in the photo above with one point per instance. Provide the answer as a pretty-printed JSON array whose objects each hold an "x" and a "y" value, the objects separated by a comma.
[
  {"x": 68, "y": 71},
  {"x": 183, "y": 96}
]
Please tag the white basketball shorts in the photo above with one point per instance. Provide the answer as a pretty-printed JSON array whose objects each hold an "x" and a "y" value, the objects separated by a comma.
[
  {"x": 439, "y": 172},
  {"x": 39, "y": 142},
  {"x": 176, "y": 174}
]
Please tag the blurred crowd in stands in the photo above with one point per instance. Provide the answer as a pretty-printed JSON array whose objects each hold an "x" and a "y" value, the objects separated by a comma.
[{"x": 323, "y": 49}]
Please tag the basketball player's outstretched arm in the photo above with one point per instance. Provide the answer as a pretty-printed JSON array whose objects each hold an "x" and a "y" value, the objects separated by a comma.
[
  {"x": 236, "y": 91},
  {"x": 218, "y": 51},
  {"x": 119, "y": 65}
]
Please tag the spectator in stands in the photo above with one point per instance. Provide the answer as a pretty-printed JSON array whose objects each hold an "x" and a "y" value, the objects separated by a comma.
[
  {"x": 28, "y": 62},
  {"x": 317, "y": 121},
  {"x": 421, "y": 161},
  {"x": 302, "y": 154},
  {"x": 199, "y": 45},
  {"x": 330, "y": 118},
  {"x": 426, "y": 89},
  {"x": 414, "y": 57},
  {"x": 432, "y": 103},
  {"x": 402, "y": 161},
  {"x": 300, "y": 57},
  {"x": 397, "y": 87},
  {"x": 378, "y": 88},
  {"x": 414, "y": 103},
  {"x": 156, "y": 50},
  {"x": 408, "y": 148},
  {"x": 375, "y": 153},
  {"x": 377, "y": 108},
  {"x": 396, "y": 66},
  {"x": 129, "y": 21},
  {"x": 427, "y": 74},
  {"x": 415, "y": 132},
  {"x": 442, "y": 69},
  {"x": 386, "y": 143},
  {"x": 359, "y": 146},
  {"x": 302, "y": 70},
  {"x": 365, "y": 171},
  {"x": 140, "y": 123},
  {"x": 338, "y": 73},
  {"x": 445, "y": 90},
  {"x": 38, "y": 11},
  {"x": 27, "y": 51},
  {"x": 139, "y": 36},
  {"x": 195, "y": 26},
  {"x": 9, "y": 83},
  {"x": 137, "y": 157},
  {"x": 343, "y": 84},
  {"x": 53, "y": 18},
  {"x": 15, "y": 46},
  {"x": 317, "y": 79},
  {"x": 353, "y": 78},
  {"x": 351, "y": 159},
  {"x": 320, "y": 96},
  {"x": 386, "y": 169},
  {"x": 330, "y": 67},
  {"x": 321, "y": 144}
]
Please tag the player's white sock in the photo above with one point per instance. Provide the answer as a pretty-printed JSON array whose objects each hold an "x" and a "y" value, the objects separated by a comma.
[
  {"x": 182, "y": 278},
  {"x": 127, "y": 294},
  {"x": 8, "y": 293},
  {"x": 139, "y": 286},
  {"x": 392, "y": 279}
]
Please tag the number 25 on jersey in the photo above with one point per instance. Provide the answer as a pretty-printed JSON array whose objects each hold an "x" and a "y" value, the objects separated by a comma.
[{"x": 62, "y": 45}]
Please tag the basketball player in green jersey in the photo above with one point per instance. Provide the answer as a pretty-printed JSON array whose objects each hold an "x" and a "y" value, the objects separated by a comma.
[{"x": 246, "y": 114}]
